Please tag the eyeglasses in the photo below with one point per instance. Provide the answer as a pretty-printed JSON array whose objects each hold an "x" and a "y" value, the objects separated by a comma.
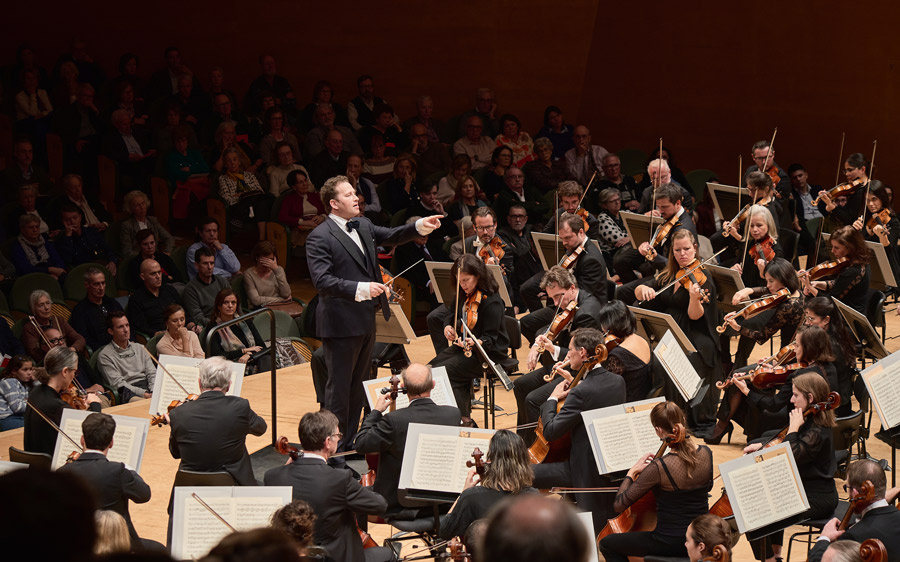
[
  {"x": 518, "y": 217},
  {"x": 57, "y": 341},
  {"x": 485, "y": 228},
  {"x": 339, "y": 435}
]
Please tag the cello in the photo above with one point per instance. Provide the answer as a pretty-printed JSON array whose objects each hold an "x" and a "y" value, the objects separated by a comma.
[{"x": 641, "y": 515}]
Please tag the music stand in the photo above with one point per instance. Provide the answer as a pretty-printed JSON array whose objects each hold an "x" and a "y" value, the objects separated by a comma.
[
  {"x": 652, "y": 326},
  {"x": 395, "y": 332},
  {"x": 488, "y": 366},
  {"x": 864, "y": 333},
  {"x": 891, "y": 437},
  {"x": 439, "y": 273},
  {"x": 725, "y": 199},
  {"x": 881, "y": 276},
  {"x": 638, "y": 227},
  {"x": 728, "y": 282},
  {"x": 549, "y": 247}
]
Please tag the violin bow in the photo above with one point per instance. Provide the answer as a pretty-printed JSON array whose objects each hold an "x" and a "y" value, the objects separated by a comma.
[
  {"x": 404, "y": 271},
  {"x": 52, "y": 424},
  {"x": 691, "y": 270},
  {"x": 213, "y": 511},
  {"x": 837, "y": 174},
  {"x": 655, "y": 186},
  {"x": 580, "y": 201},
  {"x": 40, "y": 331},
  {"x": 567, "y": 490},
  {"x": 814, "y": 258},
  {"x": 763, "y": 169},
  {"x": 166, "y": 371},
  {"x": 456, "y": 307},
  {"x": 558, "y": 214},
  {"x": 871, "y": 172}
]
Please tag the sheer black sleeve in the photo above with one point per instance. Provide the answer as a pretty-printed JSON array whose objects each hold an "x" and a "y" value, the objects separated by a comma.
[{"x": 788, "y": 314}]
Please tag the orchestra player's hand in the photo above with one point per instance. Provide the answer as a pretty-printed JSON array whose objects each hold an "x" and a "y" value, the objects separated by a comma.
[
  {"x": 742, "y": 386},
  {"x": 560, "y": 391},
  {"x": 858, "y": 224},
  {"x": 384, "y": 400},
  {"x": 653, "y": 213},
  {"x": 96, "y": 388},
  {"x": 377, "y": 289},
  {"x": 737, "y": 267},
  {"x": 644, "y": 293},
  {"x": 449, "y": 333},
  {"x": 830, "y": 530},
  {"x": 891, "y": 494},
  {"x": 463, "y": 342},
  {"x": 795, "y": 418},
  {"x": 472, "y": 478},
  {"x": 740, "y": 296},
  {"x": 433, "y": 222},
  {"x": 696, "y": 292},
  {"x": 639, "y": 466},
  {"x": 91, "y": 399},
  {"x": 729, "y": 319},
  {"x": 752, "y": 448},
  {"x": 148, "y": 395},
  {"x": 644, "y": 248},
  {"x": 761, "y": 265}
]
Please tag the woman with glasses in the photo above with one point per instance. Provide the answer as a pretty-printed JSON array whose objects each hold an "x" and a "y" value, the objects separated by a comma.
[
  {"x": 42, "y": 318},
  {"x": 612, "y": 233},
  {"x": 543, "y": 172}
]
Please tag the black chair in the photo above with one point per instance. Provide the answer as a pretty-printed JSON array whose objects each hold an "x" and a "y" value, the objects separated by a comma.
[
  {"x": 789, "y": 242},
  {"x": 509, "y": 364},
  {"x": 862, "y": 396},
  {"x": 875, "y": 311},
  {"x": 814, "y": 527},
  {"x": 424, "y": 528},
  {"x": 33, "y": 460},
  {"x": 844, "y": 436},
  {"x": 193, "y": 478}
]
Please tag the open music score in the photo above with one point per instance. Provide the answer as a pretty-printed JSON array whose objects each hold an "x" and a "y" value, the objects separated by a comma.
[
  {"x": 442, "y": 394},
  {"x": 435, "y": 456},
  {"x": 621, "y": 434},
  {"x": 883, "y": 383},
  {"x": 195, "y": 530},
  {"x": 764, "y": 487},
  {"x": 185, "y": 370},
  {"x": 678, "y": 367},
  {"x": 128, "y": 440}
]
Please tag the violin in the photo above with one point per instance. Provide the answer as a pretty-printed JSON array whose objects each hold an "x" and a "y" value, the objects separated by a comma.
[
  {"x": 569, "y": 260},
  {"x": 470, "y": 316},
  {"x": 495, "y": 249},
  {"x": 693, "y": 273},
  {"x": 759, "y": 305},
  {"x": 865, "y": 498},
  {"x": 765, "y": 376},
  {"x": 584, "y": 214},
  {"x": 775, "y": 177},
  {"x": 396, "y": 297},
  {"x": 660, "y": 235},
  {"x": 881, "y": 218},
  {"x": 160, "y": 420},
  {"x": 458, "y": 551},
  {"x": 824, "y": 269},
  {"x": 845, "y": 189},
  {"x": 641, "y": 515},
  {"x": 743, "y": 214},
  {"x": 560, "y": 321},
  {"x": 479, "y": 463},
  {"x": 763, "y": 249},
  {"x": 74, "y": 397}
]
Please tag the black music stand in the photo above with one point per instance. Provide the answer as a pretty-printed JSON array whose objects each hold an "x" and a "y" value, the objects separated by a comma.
[
  {"x": 725, "y": 199},
  {"x": 652, "y": 326},
  {"x": 864, "y": 333},
  {"x": 891, "y": 437},
  {"x": 638, "y": 227},
  {"x": 728, "y": 282},
  {"x": 439, "y": 273},
  {"x": 395, "y": 333},
  {"x": 550, "y": 250},
  {"x": 489, "y": 367}
]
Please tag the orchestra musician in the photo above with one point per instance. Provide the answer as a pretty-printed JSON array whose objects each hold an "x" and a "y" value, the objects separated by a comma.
[
  {"x": 531, "y": 389},
  {"x": 385, "y": 433},
  {"x": 343, "y": 264},
  {"x": 704, "y": 534},
  {"x": 764, "y": 161},
  {"x": 762, "y": 247},
  {"x": 569, "y": 194},
  {"x": 680, "y": 480},
  {"x": 878, "y": 519},
  {"x": 598, "y": 389},
  {"x": 630, "y": 358},
  {"x": 876, "y": 229},
  {"x": 696, "y": 317},
  {"x": 585, "y": 261},
  {"x": 851, "y": 284},
  {"x": 857, "y": 170},
  {"x": 810, "y": 439},
  {"x": 823, "y": 313},
  {"x": 762, "y": 193},
  {"x": 60, "y": 367},
  {"x": 507, "y": 473},
  {"x": 479, "y": 305}
]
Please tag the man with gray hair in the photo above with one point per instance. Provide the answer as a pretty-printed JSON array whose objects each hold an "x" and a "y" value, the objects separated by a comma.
[
  {"x": 585, "y": 158},
  {"x": 130, "y": 149},
  {"x": 209, "y": 434}
]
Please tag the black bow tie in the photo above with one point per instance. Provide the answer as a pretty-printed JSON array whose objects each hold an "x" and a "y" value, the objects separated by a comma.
[{"x": 352, "y": 224}]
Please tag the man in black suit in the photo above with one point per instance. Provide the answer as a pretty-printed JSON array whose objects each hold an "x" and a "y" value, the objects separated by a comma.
[
  {"x": 531, "y": 390},
  {"x": 517, "y": 235},
  {"x": 209, "y": 434},
  {"x": 386, "y": 434},
  {"x": 113, "y": 483},
  {"x": 589, "y": 270},
  {"x": 333, "y": 494},
  {"x": 879, "y": 520},
  {"x": 330, "y": 162},
  {"x": 131, "y": 151},
  {"x": 598, "y": 389},
  {"x": 668, "y": 206},
  {"x": 343, "y": 264},
  {"x": 569, "y": 194}
]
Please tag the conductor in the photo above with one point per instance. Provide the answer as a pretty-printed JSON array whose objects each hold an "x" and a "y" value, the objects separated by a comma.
[{"x": 343, "y": 264}]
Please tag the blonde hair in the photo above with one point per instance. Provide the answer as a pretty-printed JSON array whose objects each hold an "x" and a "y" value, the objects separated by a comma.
[
  {"x": 767, "y": 217},
  {"x": 112, "y": 533}
]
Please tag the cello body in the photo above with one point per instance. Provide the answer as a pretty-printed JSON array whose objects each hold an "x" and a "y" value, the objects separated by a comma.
[
  {"x": 639, "y": 516},
  {"x": 549, "y": 451}
]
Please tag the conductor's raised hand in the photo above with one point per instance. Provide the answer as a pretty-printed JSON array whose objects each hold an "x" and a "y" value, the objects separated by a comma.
[{"x": 433, "y": 222}]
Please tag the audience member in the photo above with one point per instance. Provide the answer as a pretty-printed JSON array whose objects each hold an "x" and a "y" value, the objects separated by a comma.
[
  {"x": 223, "y": 111},
  {"x": 226, "y": 137},
  {"x": 323, "y": 93},
  {"x": 516, "y": 232},
  {"x": 22, "y": 171},
  {"x": 65, "y": 91},
  {"x": 130, "y": 150},
  {"x": 33, "y": 253},
  {"x": 365, "y": 189},
  {"x": 270, "y": 82},
  {"x": 226, "y": 263},
  {"x": 125, "y": 100},
  {"x": 394, "y": 140},
  {"x": 90, "y": 314},
  {"x": 239, "y": 342},
  {"x": 172, "y": 121},
  {"x": 459, "y": 168},
  {"x": 474, "y": 144},
  {"x": 660, "y": 169},
  {"x": 613, "y": 177},
  {"x": 137, "y": 204},
  {"x": 485, "y": 109},
  {"x": 147, "y": 303},
  {"x": 257, "y": 122},
  {"x": 558, "y": 131},
  {"x": 178, "y": 339},
  {"x": 85, "y": 376},
  {"x": 501, "y": 160},
  {"x": 286, "y": 164},
  {"x": 148, "y": 250},
  {"x": 277, "y": 132},
  {"x": 402, "y": 189},
  {"x": 200, "y": 293},
  {"x": 89, "y": 70},
  {"x": 379, "y": 165},
  {"x": 82, "y": 244},
  {"x": 302, "y": 208},
  {"x": 330, "y": 162},
  {"x": 33, "y": 111},
  {"x": 431, "y": 157},
  {"x": 17, "y": 382},
  {"x": 529, "y": 197},
  {"x": 246, "y": 199},
  {"x": 95, "y": 215},
  {"x": 468, "y": 198},
  {"x": 612, "y": 233},
  {"x": 585, "y": 158},
  {"x": 676, "y": 174},
  {"x": 266, "y": 283},
  {"x": 80, "y": 128},
  {"x": 126, "y": 366},
  {"x": 544, "y": 172},
  {"x": 512, "y": 135},
  {"x": 26, "y": 204},
  {"x": 187, "y": 172},
  {"x": 217, "y": 87},
  {"x": 325, "y": 121},
  {"x": 360, "y": 110},
  {"x": 164, "y": 82},
  {"x": 434, "y": 129}
]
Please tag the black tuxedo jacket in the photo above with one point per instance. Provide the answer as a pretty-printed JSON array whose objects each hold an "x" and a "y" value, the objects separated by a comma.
[
  {"x": 590, "y": 272},
  {"x": 882, "y": 523},
  {"x": 585, "y": 317},
  {"x": 335, "y": 498},
  {"x": 209, "y": 435},
  {"x": 337, "y": 266},
  {"x": 662, "y": 253},
  {"x": 113, "y": 485},
  {"x": 599, "y": 389},
  {"x": 386, "y": 434}
]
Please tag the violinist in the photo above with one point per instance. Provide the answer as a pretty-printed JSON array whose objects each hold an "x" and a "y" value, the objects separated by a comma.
[
  {"x": 823, "y": 313},
  {"x": 877, "y": 519},
  {"x": 764, "y": 161},
  {"x": 630, "y": 358},
  {"x": 850, "y": 284},
  {"x": 762, "y": 194},
  {"x": 670, "y": 210},
  {"x": 764, "y": 410},
  {"x": 60, "y": 366},
  {"x": 762, "y": 247},
  {"x": 856, "y": 173},
  {"x": 704, "y": 534},
  {"x": 696, "y": 317},
  {"x": 385, "y": 433},
  {"x": 680, "y": 480},
  {"x": 551, "y": 344},
  {"x": 786, "y": 316},
  {"x": 880, "y": 224},
  {"x": 569, "y": 194},
  {"x": 508, "y": 473},
  {"x": 86, "y": 379},
  {"x": 599, "y": 389},
  {"x": 810, "y": 439},
  {"x": 481, "y": 308}
]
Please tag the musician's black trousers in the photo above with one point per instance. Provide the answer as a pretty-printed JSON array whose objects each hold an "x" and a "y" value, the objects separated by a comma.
[
  {"x": 627, "y": 260},
  {"x": 618, "y": 547}
]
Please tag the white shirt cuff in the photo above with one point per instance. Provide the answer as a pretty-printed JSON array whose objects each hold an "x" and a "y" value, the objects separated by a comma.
[
  {"x": 363, "y": 291},
  {"x": 823, "y": 538},
  {"x": 422, "y": 229},
  {"x": 552, "y": 399},
  {"x": 554, "y": 352}
]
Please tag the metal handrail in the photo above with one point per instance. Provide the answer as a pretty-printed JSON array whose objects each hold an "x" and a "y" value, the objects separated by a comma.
[{"x": 243, "y": 318}]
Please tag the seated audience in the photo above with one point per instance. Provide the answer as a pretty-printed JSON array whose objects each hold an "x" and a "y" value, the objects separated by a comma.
[
  {"x": 190, "y": 100},
  {"x": 277, "y": 132},
  {"x": 585, "y": 158},
  {"x": 302, "y": 209},
  {"x": 33, "y": 111},
  {"x": 460, "y": 167},
  {"x": 200, "y": 293},
  {"x": 178, "y": 339},
  {"x": 485, "y": 109},
  {"x": 80, "y": 128},
  {"x": 270, "y": 82},
  {"x": 187, "y": 172},
  {"x": 361, "y": 109},
  {"x": 26, "y": 204},
  {"x": 402, "y": 190},
  {"x": 474, "y": 144},
  {"x": 365, "y": 189},
  {"x": 173, "y": 121},
  {"x": 89, "y": 315},
  {"x": 85, "y": 377},
  {"x": 323, "y": 94},
  {"x": 678, "y": 176},
  {"x": 240, "y": 342},
  {"x": 468, "y": 198},
  {"x": 224, "y": 111},
  {"x": 379, "y": 165},
  {"x": 17, "y": 382},
  {"x": 147, "y": 303},
  {"x": 325, "y": 121},
  {"x": 543, "y": 172},
  {"x": 286, "y": 164},
  {"x": 125, "y": 99},
  {"x": 95, "y": 215},
  {"x": 515, "y": 191},
  {"x": 266, "y": 283},
  {"x": 83, "y": 244},
  {"x": 246, "y": 199},
  {"x": 434, "y": 130},
  {"x": 394, "y": 140},
  {"x": 431, "y": 157},
  {"x": 32, "y": 252},
  {"x": 131, "y": 150},
  {"x": 126, "y": 366},
  {"x": 613, "y": 178},
  {"x": 557, "y": 131},
  {"x": 22, "y": 171},
  {"x": 148, "y": 250},
  {"x": 227, "y": 264},
  {"x": 226, "y": 137},
  {"x": 512, "y": 135},
  {"x": 137, "y": 204},
  {"x": 44, "y": 319},
  {"x": 329, "y": 162},
  {"x": 501, "y": 160}
]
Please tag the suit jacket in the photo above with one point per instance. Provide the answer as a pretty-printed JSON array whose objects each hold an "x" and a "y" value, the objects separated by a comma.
[
  {"x": 534, "y": 203},
  {"x": 599, "y": 389},
  {"x": 386, "y": 434},
  {"x": 322, "y": 167},
  {"x": 113, "y": 485},
  {"x": 165, "y": 242},
  {"x": 209, "y": 435},
  {"x": 880, "y": 523},
  {"x": 335, "y": 498},
  {"x": 585, "y": 317},
  {"x": 590, "y": 272},
  {"x": 592, "y": 230},
  {"x": 54, "y": 211},
  {"x": 662, "y": 253},
  {"x": 337, "y": 266}
]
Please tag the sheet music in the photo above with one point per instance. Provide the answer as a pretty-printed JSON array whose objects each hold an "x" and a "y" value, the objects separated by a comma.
[
  {"x": 624, "y": 438},
  {"x": 442, "y": 394},
  {"x": 883, "y": 382},
  {"x": 676, "y": 363},
  {"x": 186, "y": 372},
  {"x": 435, "y": 456},
  {"x": 250, "y": 513},
  {"x": 204, "y": 530},
  {"x": 128, "y": 440}
]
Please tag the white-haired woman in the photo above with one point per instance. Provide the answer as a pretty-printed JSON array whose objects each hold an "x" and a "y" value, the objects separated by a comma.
[{"x": 137, "y": 204}]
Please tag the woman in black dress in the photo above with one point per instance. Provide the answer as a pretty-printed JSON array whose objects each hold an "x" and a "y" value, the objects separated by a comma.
[
  {"x": 811, "y": 443},
  {"x": 823, "y": 313},
  {"x": 763, "y": 233},
  {"x": 480, "y": 306},
  {"x": 884, "y": 232},
  {"x": 680, "y": 480},
  {"x": 630, "y": 358},
  {"x": 239, "y": 342},
  {"x": 762, "y": 193},
  {"x": 851, "y": 284},
  {"x": 696, "y": 317}
]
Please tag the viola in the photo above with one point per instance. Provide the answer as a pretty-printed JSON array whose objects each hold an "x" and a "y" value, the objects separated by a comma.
[
  {"x": 495, "y": 249},
  {"x": 396, "y": 297},
  {"x": 881, "y": 218},
  {"x": 569, "y": 260},
  {"x": 560, "y": 321},
  {"x": 765, "y": 376},
  {"x": 74, "y": 397},
  {"x": 660, "y": 236},
  {"x": 160, "y": 420},
  {"x": 470, "y": 316},
  {"x": 693, "y": 273},
  {"x": 763, "y": 249},
  {"x": 756, "y": 307},
  {"x": 864, "y": 499},
  {"x": 478, "y": 462},
  {"x": 641, "y": 515},
  {"x": 845, "y": 189}
]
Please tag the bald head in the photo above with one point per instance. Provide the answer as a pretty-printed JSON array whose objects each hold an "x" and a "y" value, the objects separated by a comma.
[
  {"x": 334, "y": 142},
  {"x": 417, "y": 381},
  {"x": 151, "y": 274},
  {"x": 532, "y": 528}
]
